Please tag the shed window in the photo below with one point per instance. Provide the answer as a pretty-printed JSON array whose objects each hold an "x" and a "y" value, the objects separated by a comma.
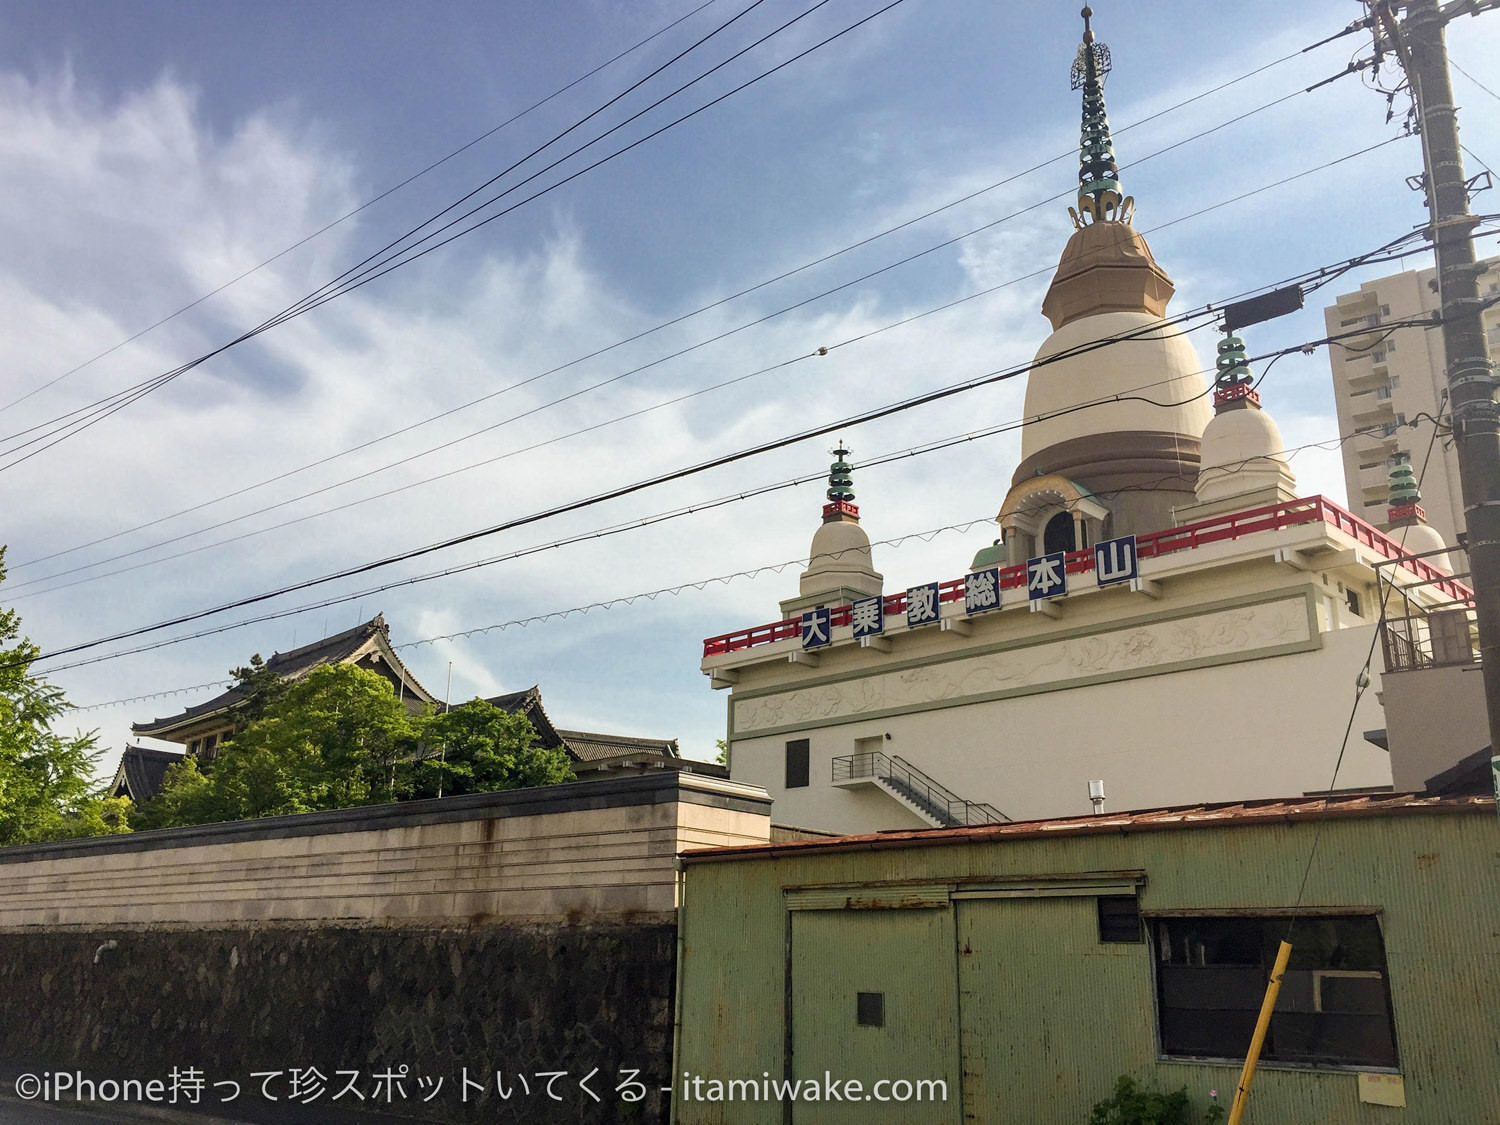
[
  {"x": 1119, "y": 918},
  {"x": 870, "y": 1009},
  {"x": 796, "y": 764},
  {"x": 1334, "y": 1008}
]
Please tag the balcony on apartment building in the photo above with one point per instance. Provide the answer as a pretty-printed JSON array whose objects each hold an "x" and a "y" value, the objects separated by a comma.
[{"x": 1431, "y": 689}]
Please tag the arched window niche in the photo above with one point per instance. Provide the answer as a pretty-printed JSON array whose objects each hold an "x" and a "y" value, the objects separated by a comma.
[{"x": 1050, "y": 513}]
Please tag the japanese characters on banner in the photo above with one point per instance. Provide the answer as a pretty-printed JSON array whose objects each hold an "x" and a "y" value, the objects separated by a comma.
[
  {"x": 867, "y": 616},
  {"x": 1115, "y": 561},
  {"x": 982, "y": 590},
  {"x": 817, "y": 627},
  {"x": 1047, "y": 576},
  {"x": 922, "y": 607}
]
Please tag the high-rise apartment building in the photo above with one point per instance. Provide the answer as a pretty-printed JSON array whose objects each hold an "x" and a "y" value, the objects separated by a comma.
[{"x": 1386, "y": 377}]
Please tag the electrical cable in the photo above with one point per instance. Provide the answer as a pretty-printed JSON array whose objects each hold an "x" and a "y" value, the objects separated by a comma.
[
  {"x": 558, "y": 614},
  {"x": 400, "y": 488},
  {"x": 1076, "y": 407},
  {"x": 308, "y": 304},
  {"x": 326, "y": 227},
  {"x": 574, "y": 394},
  {"x": 701, "y": 583},
  {"x": 535, "y": 195},
  {"x": 904, "y": 224},
  {"x": 1361, "y": 683},
  {"x": 1472, "y": 79},
  {"x": 910, "y": 403}
]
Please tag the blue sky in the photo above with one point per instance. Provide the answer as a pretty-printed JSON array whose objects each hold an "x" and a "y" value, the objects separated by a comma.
[{"x": 152, "y": 152}]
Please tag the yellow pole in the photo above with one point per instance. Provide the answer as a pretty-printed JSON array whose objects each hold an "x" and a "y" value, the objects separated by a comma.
[{"x": 1242, "y": 1091}]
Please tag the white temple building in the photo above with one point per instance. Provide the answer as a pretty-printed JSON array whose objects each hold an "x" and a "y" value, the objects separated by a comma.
[{"x": 1162, "y": 613}]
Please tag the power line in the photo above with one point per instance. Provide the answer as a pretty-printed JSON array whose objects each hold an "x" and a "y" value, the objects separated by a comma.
[
  {"x": 123, "y": 398},
  {"x": 1071, "y": 409},
  {"x": 326, "y": 227},
  {"x": 574, "y": 394},
  {"x": 370, "y": 276},
  {"x": 902, "y": 225},
  {"x": 1361, "y": 683},
  {"x": 338, "y": 288},
  {"x": 717, "y": 303},
  {"x": 559, "y": 614},
  {"x": 699, "y": 583},
  {"x": 150, "y": 695},
  {"x": 870, "y": 415},
  {"x": 1472, "y": 79}
]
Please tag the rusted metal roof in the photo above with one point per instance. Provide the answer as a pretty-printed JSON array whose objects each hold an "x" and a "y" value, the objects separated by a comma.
[{"x": 1225, "y": 815}]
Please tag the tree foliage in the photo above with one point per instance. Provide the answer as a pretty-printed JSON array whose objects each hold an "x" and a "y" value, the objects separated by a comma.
[
  {"x": 339, "y": 738},
  {"x": 479, "y": 748},
  {"x": 46, "y": 786},
  {"x": 259, "y": 687},
  {"x": 186, "y": 797}
]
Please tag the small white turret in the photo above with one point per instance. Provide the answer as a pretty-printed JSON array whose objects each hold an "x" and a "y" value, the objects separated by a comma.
[
  {"x": 1244, "y": 458},
  {"x": 840, "y": 568},
  {"x": 1407, "y": 520}
]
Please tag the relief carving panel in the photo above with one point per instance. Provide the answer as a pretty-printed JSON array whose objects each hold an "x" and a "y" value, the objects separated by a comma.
[{"x": 1225, "y": 633}]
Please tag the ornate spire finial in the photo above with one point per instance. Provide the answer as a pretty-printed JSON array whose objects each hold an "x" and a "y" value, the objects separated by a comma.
[
  {"x": 1100, "y": 199},
  {"x": 1404, "y": 508},
  {"x": 1233, "y": 383},
  {"x": 840, "y": 488}
]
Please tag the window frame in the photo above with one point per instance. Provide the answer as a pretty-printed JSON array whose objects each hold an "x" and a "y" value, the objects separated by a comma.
[
  {"x": 804, "y": 747},
  {"x": 1110, "y": 931},
  {"x": 1276, "y": 918}
]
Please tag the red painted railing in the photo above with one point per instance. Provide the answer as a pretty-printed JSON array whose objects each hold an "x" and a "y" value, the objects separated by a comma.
[{"x": 1291, "y": 513}]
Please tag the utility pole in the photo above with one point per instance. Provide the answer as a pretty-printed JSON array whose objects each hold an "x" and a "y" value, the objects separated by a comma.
[{"x": 1420, "y": 43}]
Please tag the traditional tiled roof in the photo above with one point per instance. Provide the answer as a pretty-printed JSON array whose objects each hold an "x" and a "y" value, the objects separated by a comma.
[
  {"x": 1226, "y": 815},
  {"x": 529, "y": 703},
  {"x": 141, "y": 771},
  {"x": 585, "y": 747},
  {"x": 588, "y": 747},
  {"x": 370, "y": 639}
]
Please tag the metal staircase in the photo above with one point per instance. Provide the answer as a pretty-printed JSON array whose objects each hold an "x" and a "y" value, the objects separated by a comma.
[{"x": 909, "y": 786}]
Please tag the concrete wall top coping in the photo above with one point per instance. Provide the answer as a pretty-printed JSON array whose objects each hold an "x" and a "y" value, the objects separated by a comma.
[{"x": 621, "y": 792}]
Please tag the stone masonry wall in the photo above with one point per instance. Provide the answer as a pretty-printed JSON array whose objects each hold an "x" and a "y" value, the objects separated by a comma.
[{"x": 229, "y": 1002}]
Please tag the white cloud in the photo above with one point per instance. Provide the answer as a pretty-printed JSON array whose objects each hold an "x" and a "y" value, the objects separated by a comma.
[{"x": 118, "y": 211}]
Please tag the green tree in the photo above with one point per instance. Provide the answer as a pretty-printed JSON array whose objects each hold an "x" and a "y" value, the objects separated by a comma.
[
  {"x": 331, "y": 740},
  {"x": 46, "y": 786},
  {"x": 260, "y": 689},
  {"x": 186, "y": 796},
  {"x": 340, "y": 738},
  {"x": 480, "y": 748}
]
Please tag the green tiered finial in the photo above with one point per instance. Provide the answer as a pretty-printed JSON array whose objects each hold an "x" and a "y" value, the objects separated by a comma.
[
  {"x": 1404, "y": 490},
  {"x": 1404, "y": 508},
  {"x": 1100, "y": 199},
  {"x": 840, "y": 504},
  {"x": 840, "y": 479},
  {"x": 1233, "y": 381}
]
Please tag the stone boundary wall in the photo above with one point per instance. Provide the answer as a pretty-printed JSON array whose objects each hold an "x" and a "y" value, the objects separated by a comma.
[
  {"x": 588, "y": 850},
  {"x": 500, "y": 937},
  {"x": 479, "y": 1002}
]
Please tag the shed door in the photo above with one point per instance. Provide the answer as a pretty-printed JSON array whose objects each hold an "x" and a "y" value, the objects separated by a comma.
[
  {"x": 1033, "y": 978},
  {"x": 903, "y": 957}
]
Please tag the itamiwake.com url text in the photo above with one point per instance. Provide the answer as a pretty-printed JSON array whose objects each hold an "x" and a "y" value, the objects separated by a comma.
[{"x": 696, "y": 1088}]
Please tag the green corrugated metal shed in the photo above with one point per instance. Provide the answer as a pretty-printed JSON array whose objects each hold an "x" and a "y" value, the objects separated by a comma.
[{"x": 984, "y": 945}]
